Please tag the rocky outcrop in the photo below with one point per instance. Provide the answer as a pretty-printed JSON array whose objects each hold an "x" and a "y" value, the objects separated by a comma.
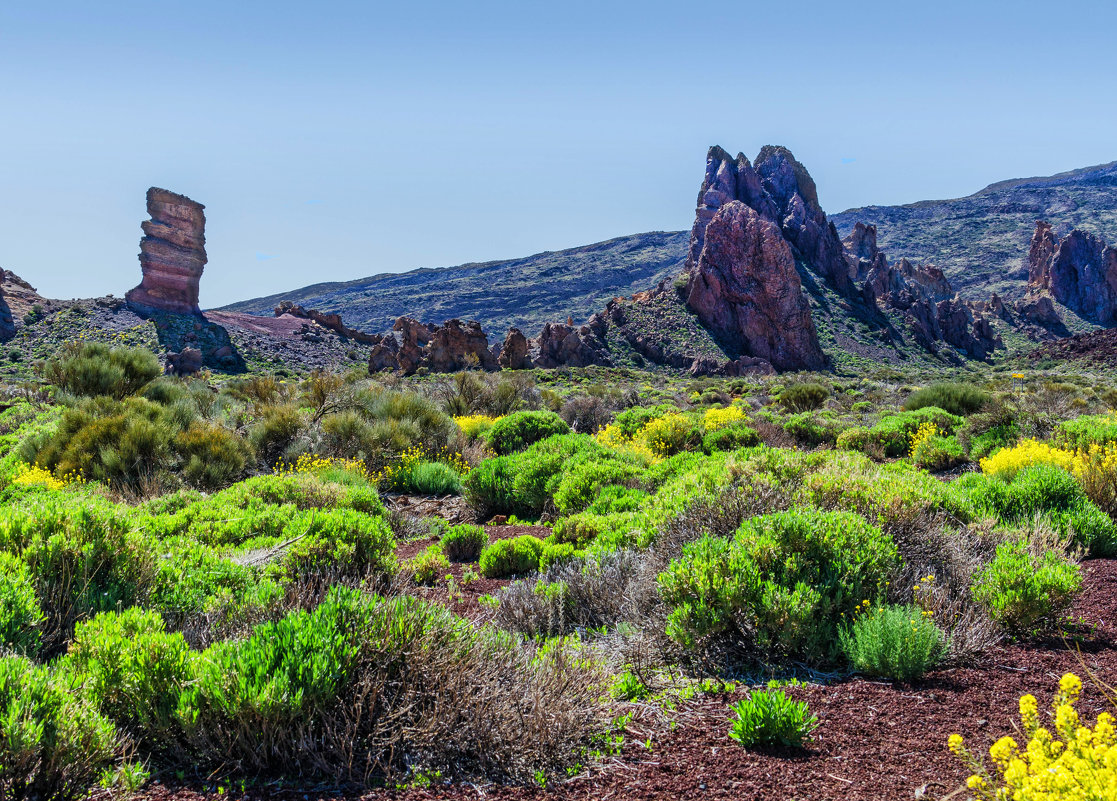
[
  {"x": 1079, "y": 271},
  {"x": 561, "y": 344},
  {"x": 515, "y": 352},
  {"x": 779, "y": 189},
  {"x": 934, "y": 313},
  {"x": 411, "y": 345},
  {"x": 186, "y": 362},
  {"x": 745, "y": 288},
  {"x": 172, "y": 254},
  {"x": 326, "y": 320}
]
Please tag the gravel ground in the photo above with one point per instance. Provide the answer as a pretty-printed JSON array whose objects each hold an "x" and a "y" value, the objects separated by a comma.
[{"x": 876, "y": 740}]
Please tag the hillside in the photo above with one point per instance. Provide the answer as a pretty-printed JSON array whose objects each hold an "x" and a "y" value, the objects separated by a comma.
[
  {"x": 499, "y": 294},
  {"x": 981, "y": 241}
]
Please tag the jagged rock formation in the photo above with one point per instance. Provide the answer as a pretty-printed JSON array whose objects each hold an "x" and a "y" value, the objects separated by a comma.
[
  {"x": 411, "y": 345},
  {"x": 331, "y": 321},
  {"x": 1079, "y": 270},
  {"x": 933, "y": 311},
  {"x": 172, "y": 254},
  {"x": 778, "y": 189},
  {"x": 745, "y": 288}
]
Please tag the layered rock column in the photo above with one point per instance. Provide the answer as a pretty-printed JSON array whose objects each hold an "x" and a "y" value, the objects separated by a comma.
[{"x": 172, "y": 254}]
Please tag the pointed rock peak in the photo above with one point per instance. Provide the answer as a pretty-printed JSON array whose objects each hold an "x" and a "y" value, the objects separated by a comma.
[
  {"x": 785, "y": 175},
  {"x": 717, "y": 153}
]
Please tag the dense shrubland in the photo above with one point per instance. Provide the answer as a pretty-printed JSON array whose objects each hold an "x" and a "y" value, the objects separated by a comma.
[{"x": 202, "y": 576}]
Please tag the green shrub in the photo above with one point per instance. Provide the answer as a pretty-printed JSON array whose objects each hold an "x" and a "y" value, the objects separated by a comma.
[
  {"x": 956, "y": 398},
  {"x": 104, "y": 440},
  {"x": 730, "y": 438},
  {"x": 614, "y": 499},
  {"x": 858, "y": 438},
  {"x": 770, "y": 717},
  {"x": 53, "y": 742},
  {"x": 274, "y": 433},
  {"x": 338, "y": 544},
  {"x": 464, "y": 543},
  {"x": 583, "y": 478},
  {"x": 893, "y": 432},
  {"x": 808, "y": 428},
  {"x": 488, "y": 488},
  {"x": 936, "y": 453},
  {"x": 1042, "y": 490},
  {"x": 782, "y": 584},
  {"x": 1087, "y": 430},
  {"x": 213, "y": 457},
  {"x": 511, "y": 557},
  {"x": 803, "y": 397},
  {"x": 89, "y": 369},
  {"x": 433, "y": 478},
  {"x": 896, "y": 642},
  {"x": 1023, "y": 592},
  {"x": 429, "y": 566},
  {"x": 21, "y": 618},
  {"x": 631, "y": 421},
  {"x": 554, "y": 553},
  {"x": 133, "y": 670},
  {"x": 992, "y": 440},
  {"x": 518, "y": 430}
]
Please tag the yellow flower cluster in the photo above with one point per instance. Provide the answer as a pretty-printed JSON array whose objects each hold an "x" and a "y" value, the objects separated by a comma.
[
  {"x": 1096, "y": 469},
  {"x": 715, "y": 419},
  {"x": 474, "y": 425},
  {"x": 1007, "y": 462},
  {"x": 31, "y": 475},
  {"x": 1073, "y": 763},
  {"x": 413, "y": 456},
  {"x": 613, "y": 438},
  {"x": 308, "y": 463},
  {"x": 925, "y": 432}
]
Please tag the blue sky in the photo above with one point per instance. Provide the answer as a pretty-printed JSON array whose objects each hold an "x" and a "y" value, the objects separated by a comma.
[{"x": 336, "y": 140}]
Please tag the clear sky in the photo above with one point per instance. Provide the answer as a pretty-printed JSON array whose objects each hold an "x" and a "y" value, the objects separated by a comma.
[{"x": 333, "y": 140}]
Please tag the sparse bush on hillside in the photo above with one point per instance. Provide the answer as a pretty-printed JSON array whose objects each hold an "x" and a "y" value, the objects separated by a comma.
[
  {"x": 895, "y": 642},
  {"x": 1023, "y": 591},
  {"x": 956, "y": 398},
  {"x": 213, "y": 457},
  {"x": 91, "y": 369},
  {"x": 274, "y": 433},
  {"x": 803, "y": 397},
  {"x": 464, "y": 543}
]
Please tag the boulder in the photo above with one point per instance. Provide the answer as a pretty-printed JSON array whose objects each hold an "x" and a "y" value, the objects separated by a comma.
[
  {"x": 411, "y": 345},
  {"x": 514, "y": 351}
]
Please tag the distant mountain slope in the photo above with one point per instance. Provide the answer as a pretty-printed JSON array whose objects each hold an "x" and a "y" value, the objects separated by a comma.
[
  {"x": 519, "y": 292},
  {"x": 981, "y": 241}
]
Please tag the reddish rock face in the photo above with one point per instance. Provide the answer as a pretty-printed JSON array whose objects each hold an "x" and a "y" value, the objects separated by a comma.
[
  {"x": 514, "y": 352},
  {"x": 454, "y": 345},
  {"x": 1079, "y": 271},
  {"x": 172, "y": 254},
  {"x": 746, "y": 290}
]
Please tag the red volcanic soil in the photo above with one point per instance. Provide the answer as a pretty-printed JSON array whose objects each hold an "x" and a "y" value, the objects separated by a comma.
[
  {"x": 1097, "y": 348},
  {"x": 876, "y": 740},
  {"x": 282, "y": 326}
]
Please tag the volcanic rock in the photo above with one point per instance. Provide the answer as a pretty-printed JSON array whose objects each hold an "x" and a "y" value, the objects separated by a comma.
[
  {"x": 1080, "y": 271},
  {"x": 186, "y": 362},
  {"x": 172, "y": 254},
  {"x": 745, "y": 288},
  {"x": 514, "y": 351},
  {"x": 561, "y": 344},
  {"x": 327, "y": 320},
  {"x": 411, "y": 345}
]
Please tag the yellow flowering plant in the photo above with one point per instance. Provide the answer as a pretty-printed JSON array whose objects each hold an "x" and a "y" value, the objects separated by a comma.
[
  {"x": 474, "y": 426},
  {"x": 716, "y": 419},
  {"x": 32, "y": 475},
  {"x": 1071, "y": 763},
  {"x": 1007, "y": 462}
]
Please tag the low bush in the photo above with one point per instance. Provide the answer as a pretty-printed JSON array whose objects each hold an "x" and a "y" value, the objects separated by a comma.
[
  {"x": 895, "y": 642},
  {"x": 90, "y": 369},
  {"x": 715, "y": 419},
  {"x": 803, "y": 397},
  {"x": 275, "y": 432},
  {"x": 212, "y": 456},
  {"x": 474, "y": 426},
  {"x": 1007, "y": 462},
  {"x": 810, "y": 429},
  {"x": 53, "y": 742},
  {"x": 992, "y": 440},
  {"x": 21, "y": 618},
  {"x": 464, "y": 543},
  {"x": 936, "y": 453},
  {"x": 429, "y": 566},
  {"x": 782, "y": 584},
  {"x": 1023, "y": 592},
  {"x": 730, "y": 438},
  {"x": 511, "y": 557},
  {"x": 1087, "y": 430},
  {"x": 516, "y": 431},
  {"x": 956, "y": 398},
  {"x": 770, "y": 717},
  {"x": 554, "y": 553},
  {"x": 434, "y": 478},
  {"x": 893, "y": 432},
  {"x": 630, "y": 422}
]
